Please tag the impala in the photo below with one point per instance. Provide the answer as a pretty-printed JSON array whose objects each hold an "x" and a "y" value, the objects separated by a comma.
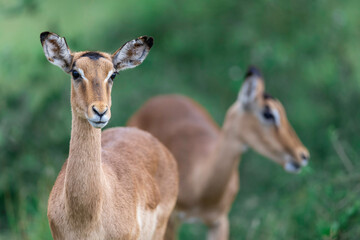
[
  {"x": 208, "y": 157},
  {"x": 117, "y": 184}
]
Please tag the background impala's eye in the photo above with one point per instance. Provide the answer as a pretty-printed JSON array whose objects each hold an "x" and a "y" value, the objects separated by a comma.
[
  {"x": 113, "y": 76},
  {"x": 75, "y": 74},
  {"x": 267, "y": 114}
]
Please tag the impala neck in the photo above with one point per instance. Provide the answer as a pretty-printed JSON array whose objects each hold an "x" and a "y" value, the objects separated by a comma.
[
  {"x": 226, "y": 156},
  {"x": 84, "y": 176}
]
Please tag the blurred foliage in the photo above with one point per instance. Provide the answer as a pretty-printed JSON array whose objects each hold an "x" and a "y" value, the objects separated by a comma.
[{"x": 308, "y": 51}]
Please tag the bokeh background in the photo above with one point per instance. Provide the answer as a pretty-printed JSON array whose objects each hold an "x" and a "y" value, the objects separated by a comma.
[{"x": 309, "y": 53}]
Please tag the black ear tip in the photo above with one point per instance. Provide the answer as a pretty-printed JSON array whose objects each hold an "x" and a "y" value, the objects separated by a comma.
[
  {"x": 253, "y": 71},
  {"x": 43, "y": 36},
  {"x": 149, "y": 41}
]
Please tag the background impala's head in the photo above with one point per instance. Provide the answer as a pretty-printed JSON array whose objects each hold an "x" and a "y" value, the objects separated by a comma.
[
  {"x": 92, "y": 73},
  {"x": 265, "y": 127}
]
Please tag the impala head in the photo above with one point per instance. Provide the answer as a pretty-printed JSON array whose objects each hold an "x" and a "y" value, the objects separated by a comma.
[
  {"x": 265, "y": 127},
  {"x": 92, "y": 73}
]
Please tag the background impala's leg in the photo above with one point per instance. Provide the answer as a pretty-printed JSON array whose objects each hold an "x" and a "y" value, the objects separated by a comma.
[
  {"x": 220, "y": 229},
  {"x": 172, "y": 229}
]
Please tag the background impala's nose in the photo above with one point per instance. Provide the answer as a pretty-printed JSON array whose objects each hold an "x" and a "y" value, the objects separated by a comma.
[
  {"x": 296, "y": 166},
  {"x": 292, "y": 167},
  {"x": 99, "y": 111},
  {"x": 304, "y": 159}
]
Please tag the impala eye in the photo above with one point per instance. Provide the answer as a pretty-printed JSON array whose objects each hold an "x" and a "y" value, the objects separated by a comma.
[
  {"x": 75, "y": 74},
  {"x": 113, "y": 76},
  {"x": 267, "y": 114}
]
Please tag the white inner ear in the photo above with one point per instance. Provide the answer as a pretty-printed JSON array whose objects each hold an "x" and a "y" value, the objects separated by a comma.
[
  {"x": 247, "y": 93},
  {"x": 137, "y": 49},
  {"x": 123, "y": 53},
  {"x": 57, "y": 52},
  {"x": 131, "y": 54}
]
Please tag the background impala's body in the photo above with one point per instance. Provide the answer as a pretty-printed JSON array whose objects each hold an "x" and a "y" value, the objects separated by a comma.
[
  {"x": 119, "y": 184},
  {"x": 208, "y": 157}
]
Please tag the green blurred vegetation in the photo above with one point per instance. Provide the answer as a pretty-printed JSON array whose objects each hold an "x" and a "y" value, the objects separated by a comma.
[{"x": 308, "y": 51}]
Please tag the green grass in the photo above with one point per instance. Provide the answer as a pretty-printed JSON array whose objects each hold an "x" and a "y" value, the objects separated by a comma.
[{"x": 307, "y": 50}]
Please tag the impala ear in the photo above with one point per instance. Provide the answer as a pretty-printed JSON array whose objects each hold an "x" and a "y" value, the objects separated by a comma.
[
  {"x": 132, "y": 53},
  {"x": 56, "y": 50},
  {"x": 252, "y": 90}
]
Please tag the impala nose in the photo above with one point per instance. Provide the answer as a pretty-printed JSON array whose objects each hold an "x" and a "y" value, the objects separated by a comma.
[
  {"x": 304, "y": 159},
  {"x": 292, "y": 167},
  {"x": 99, "y": 112}
]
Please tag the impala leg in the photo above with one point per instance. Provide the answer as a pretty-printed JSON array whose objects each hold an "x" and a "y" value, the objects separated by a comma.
[{"x": 219, "y": 230}]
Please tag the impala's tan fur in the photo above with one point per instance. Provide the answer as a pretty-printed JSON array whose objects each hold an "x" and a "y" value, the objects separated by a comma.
[
  {"x": 208, "y": 157},
  {"x": 118, "y": 184}
]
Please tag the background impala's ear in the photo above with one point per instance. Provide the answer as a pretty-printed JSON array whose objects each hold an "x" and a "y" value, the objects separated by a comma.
[
  {"x": 252, "y": 90},
  {"x": 56, "y": 50},
  {"x": 132, "y": 53}
]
